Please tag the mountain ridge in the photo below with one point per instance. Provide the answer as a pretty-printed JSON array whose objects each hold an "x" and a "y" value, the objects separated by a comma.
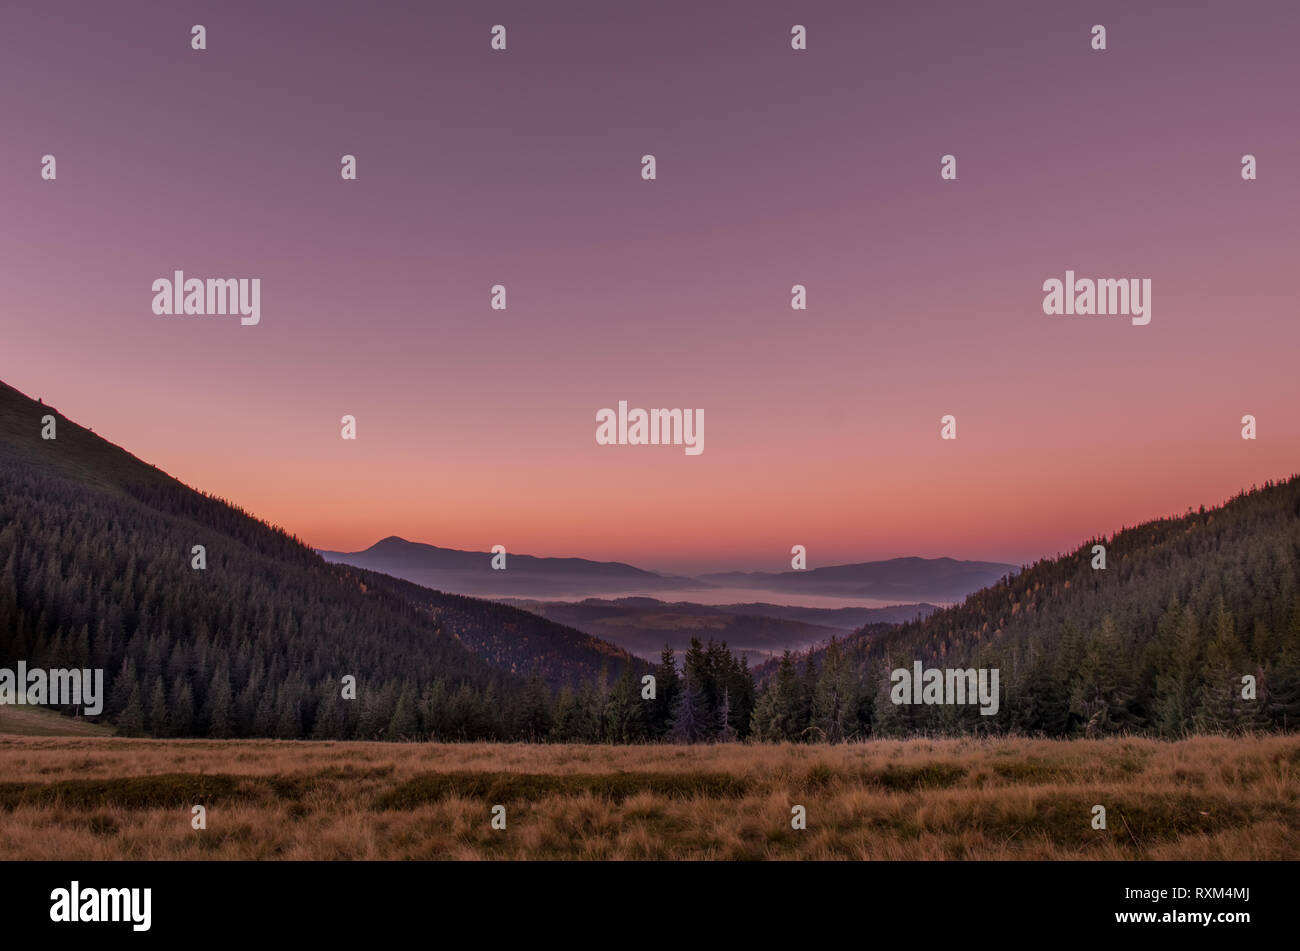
[{"x": 533, "y": 577}]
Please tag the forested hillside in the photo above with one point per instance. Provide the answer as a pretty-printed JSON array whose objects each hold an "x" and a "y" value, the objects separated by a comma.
[
  {"x": 96, "y": 570},
  {"x": 510, "y": 638},
  {"x": 1157, "y": 642}
]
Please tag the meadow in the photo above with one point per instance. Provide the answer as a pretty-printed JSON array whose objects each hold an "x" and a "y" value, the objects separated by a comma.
[{"x": 117, "y": 798}]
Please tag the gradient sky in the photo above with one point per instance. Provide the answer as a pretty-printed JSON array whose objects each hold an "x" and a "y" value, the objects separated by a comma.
[{"x": 775, "y": 167}]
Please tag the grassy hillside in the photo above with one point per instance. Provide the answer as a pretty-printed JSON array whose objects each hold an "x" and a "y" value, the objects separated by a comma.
[
  {"x": 37, "y": 721},
  {"x": 1205, "y": 798}
]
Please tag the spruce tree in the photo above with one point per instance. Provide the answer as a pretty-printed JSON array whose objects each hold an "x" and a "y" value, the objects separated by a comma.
[
  {"x": 626, "y": 720},
  {"x": 159, "y": 721},
  {"x": 182, "y": 712},
  {"x": 835, "y": 699},
  {"x": 405, "y": 724},
  {"x": 1223, "y": 708},
  {"x": 131, "y": 721},
  {"x": 726, "y": 732},
  {"x": 667, "y": 686},
  {"x": 890, "y": 719},
  {"x": 805, "y": 715},
  {"x": 219, "y": 703},
  {"x": 1105, "y": 688},
  {"x": 1178, "y": 687},
  {"x": 689, "y": 715}
]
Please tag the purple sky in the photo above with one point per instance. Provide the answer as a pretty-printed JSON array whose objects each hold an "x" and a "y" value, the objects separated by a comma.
[{"x": 775, "y": 167}]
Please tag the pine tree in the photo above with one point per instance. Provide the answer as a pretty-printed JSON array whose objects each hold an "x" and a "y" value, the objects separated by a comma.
[
  {"x": 1178, "y": 688},
  {"x": 433, "y": 711},
  {"x": 689, "y": 716},
  {"x": 264, "y": 713},
  {"x": 1105, "y": 688},
  {"x": 744, "y": 694},
  {"x": 805, "y": 715},
  {"x": 1283, "y": 708},
  {"x": 331, "y": 717},
  {"x": 835, "y": 700},
  {"x": 890, "y": 719},
  {"x": 182, "y": 714},
  {"x": 159, "y": 722},
  {"x": 727, "y": 733},
  {"x": 125, "y": 681},
  {"x": 697, "y": 667},
  {"x": 563, "y": 716},
  {"x": 219, "y": 704},
  {"x": 1223, "y": 709},
  {"x": 532, "y": 718},
  {"x": 667, "y": 686},
  {"x": 764, "y": 718},
  {"x": 377, "y": 708},
  {"x": 1046, "y": 707},
  {"x": 131, "y": 721},
  {"x": 788, "y": 702},
  {"x": 625, "y": 716},
  {"x": 289, "y": 716},
  {"x": 774, "y": 715},
  {"x": 585, "y": 725},
  {"x": 405, "y": 724}
]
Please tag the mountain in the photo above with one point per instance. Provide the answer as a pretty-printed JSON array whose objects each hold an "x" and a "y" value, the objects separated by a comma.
[
  {"x": 513, "y": 639},
  {"x": 1157, "y": 641},
  {"x": 757, "y": 631},
  {"x": 527, "y": 577},
  {"x": 471, "y": 572},
  {"x": 97, "y": 570},
  {"x": 936, "y": 579}
]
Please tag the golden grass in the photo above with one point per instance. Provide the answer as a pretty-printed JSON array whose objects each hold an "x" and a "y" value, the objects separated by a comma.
[
  {"x": 113, "y": 798},
  {"x": 39, "y": 721}
]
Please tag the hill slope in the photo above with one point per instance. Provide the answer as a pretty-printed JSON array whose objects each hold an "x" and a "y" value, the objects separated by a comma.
[
  {"x": 96, "y": 571},
  {"x": 757, "y": 631},
  {"x": 38, "y": 721},
  {"x": 1156, "y": 642},
  {"x": 511, "y": 638}
]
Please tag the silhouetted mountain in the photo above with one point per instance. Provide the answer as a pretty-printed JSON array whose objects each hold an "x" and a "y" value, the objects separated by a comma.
[
  {"x": 527, "y": 577},
  {"x": 936, "y": 579},
  {"x": 471, "y": 572}
]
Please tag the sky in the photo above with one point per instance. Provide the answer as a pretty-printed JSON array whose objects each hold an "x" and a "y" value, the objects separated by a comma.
[{"x": 522, "y": 167}]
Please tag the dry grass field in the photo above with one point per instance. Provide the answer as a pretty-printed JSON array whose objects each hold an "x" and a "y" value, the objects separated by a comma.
[
  {"x": 111, "y": 798},
  {"x": 38, "y": 721}
]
